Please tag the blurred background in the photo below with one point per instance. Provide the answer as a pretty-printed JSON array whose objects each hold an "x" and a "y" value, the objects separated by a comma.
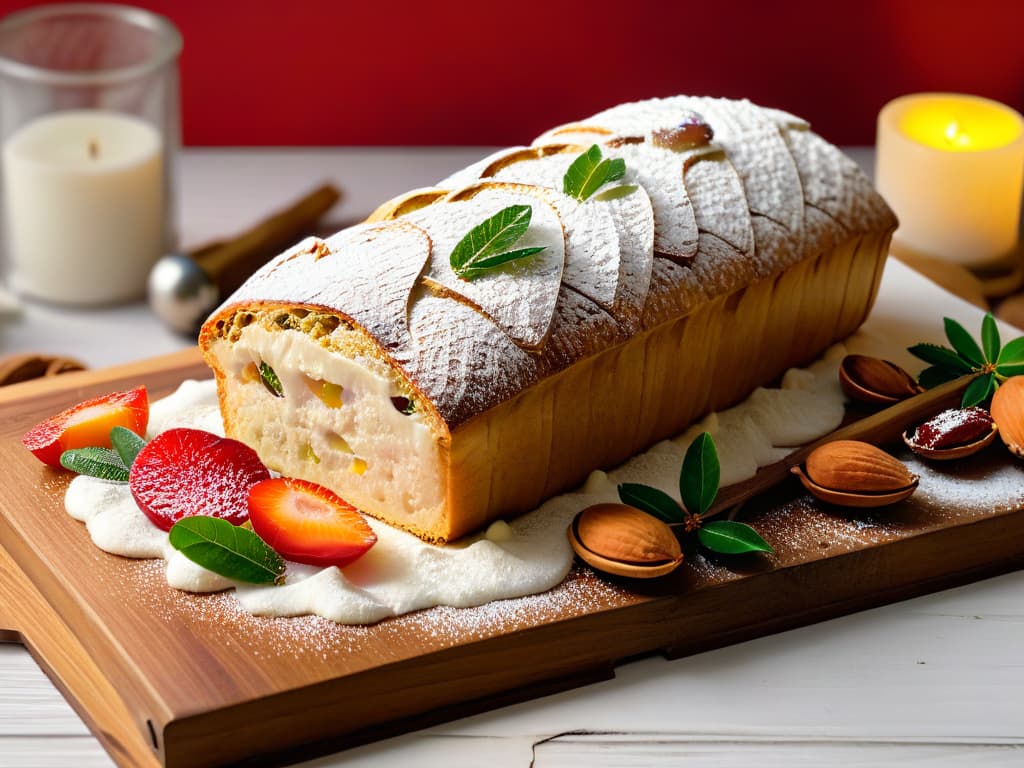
[{"x": 329, "y": 72}]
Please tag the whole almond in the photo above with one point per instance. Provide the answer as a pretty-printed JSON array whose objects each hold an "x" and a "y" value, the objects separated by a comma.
[
  {"x": 626, "y": 534},
  {"x": 856, "y": 467},
  {"x": 1008, "y": 412}
]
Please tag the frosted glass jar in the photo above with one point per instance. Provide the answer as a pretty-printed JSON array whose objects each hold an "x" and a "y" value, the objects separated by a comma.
[{"x": 89, "y": 130}]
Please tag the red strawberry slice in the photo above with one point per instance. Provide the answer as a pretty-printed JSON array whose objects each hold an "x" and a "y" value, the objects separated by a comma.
[
  {"x": 307, "y": 523},
  {"x": 88, "y": 424},
  {"x": 184, "y": 472}
]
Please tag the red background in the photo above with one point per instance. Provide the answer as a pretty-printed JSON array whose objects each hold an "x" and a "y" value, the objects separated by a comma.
[{"x": 319, "y": 72}]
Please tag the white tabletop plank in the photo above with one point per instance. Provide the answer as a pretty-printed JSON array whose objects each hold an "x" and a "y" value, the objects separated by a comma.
[{"x": 931, "y": 681}]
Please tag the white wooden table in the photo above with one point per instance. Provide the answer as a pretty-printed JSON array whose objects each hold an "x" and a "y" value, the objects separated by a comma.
[{"x": 938, "y": 680}]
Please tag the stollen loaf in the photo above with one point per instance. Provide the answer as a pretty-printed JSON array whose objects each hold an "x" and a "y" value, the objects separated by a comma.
[{"x": 736, "y": 244}]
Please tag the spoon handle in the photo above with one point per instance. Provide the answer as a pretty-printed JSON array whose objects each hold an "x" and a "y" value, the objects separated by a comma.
[{"x": 880, "y": 428}]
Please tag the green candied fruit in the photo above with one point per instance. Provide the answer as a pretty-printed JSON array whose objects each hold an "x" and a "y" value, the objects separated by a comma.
[
  {"x": 270, "y": 380},
  {"x": 404, "y": 405},
  {"x": 311, "y": 454}
]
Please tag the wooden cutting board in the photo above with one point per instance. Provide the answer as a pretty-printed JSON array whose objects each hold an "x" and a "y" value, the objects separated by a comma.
[{"x": 163, "y": 677}]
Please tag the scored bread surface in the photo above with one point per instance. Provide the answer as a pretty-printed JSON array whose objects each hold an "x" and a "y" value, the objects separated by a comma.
[{"x": 762, "y": 246}]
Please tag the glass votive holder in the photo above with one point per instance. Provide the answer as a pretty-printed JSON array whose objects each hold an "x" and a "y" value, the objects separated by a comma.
[{"x": 89, "y": 130}]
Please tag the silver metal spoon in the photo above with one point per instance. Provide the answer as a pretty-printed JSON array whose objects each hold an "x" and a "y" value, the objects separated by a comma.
[{"x": 184, "y": 288}]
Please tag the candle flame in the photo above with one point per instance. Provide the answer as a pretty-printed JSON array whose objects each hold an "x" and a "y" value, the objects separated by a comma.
[
  {"x": 959, "y": 123},
  {"x": 956, "y": 136}
]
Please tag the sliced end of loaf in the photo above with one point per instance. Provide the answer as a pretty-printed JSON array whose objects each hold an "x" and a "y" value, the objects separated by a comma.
[{"x": 345, "y": 416}]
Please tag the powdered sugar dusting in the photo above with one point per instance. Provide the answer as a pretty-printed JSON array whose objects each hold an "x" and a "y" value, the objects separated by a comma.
[
  {"x": 637, "y": 118},
  {"x": 593, "y": 256},
  {"x": 462, "y": 360},
  {"x": 833, "y": 183},
  {"x": 761, "y": 157},
  {"x": 366, "y": 271},
  {"x": 971, "y": 487},
  {"x": 719, "y": 202},
  {"x": 520, "y": 296},
  {"x": 660, "y": 172},
  {"x": 727, "y": 212},
  {"x": 632, "y": 217},
  {"x": 312, "y": 639},
  {"x": 471, "y": 173}
]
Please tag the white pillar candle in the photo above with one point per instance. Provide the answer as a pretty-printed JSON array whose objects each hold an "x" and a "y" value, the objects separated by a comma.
[
  {"x": 952, "y": 168},
  {"x": 84, "y": 192}
]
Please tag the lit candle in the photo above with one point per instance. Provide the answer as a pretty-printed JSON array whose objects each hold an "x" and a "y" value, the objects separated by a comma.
[
  {"x": 84, "y": 193},
  {"x": 952, "y": 168}
]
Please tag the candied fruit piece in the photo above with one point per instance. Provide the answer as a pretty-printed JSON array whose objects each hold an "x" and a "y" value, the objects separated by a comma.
[{"x": 953, "y": 427}]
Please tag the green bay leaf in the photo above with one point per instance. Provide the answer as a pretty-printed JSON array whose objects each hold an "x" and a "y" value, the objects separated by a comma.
[
  {"x": 1012, "y": 353},
  {"x": 126, "y": 444},
  {"x": 95, "y": 461},
  {"x": 489, "y": 262},
  {"x": 487, "y": 244},
  {"x": 700, "y": 475},
  {"x": 1006, "y": 370},
  {"x": 616, "y": 169},
  {"x": 990, "y": 338},
  {"x": 617, "y": 192},
  {"x": 652, "y": 501},
  {"x": 729, "y": 537},
  {"x": 580, "y": 172},
  {"x": 942, "y": 356},
  {"x": 979, "y": 390},
  {"x": 231, "y": 551},
  {"x": 934, "y": 375},
  {"x": 595, "y": 181},
  {"x": 589, "y": 172},
  {"x": 963, "y": 342}
]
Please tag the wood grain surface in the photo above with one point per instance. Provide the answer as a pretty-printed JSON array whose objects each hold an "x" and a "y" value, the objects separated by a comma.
[{"x": 162, "y": 676}]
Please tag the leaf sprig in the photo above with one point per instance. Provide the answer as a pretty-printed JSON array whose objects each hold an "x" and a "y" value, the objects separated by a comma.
[
  {"x": 228, "y": 550},
  {"x": 589, "y": 172},
  {"x": 992, "y": 362},
  {"x": 216, "y": 544},
  {"x": 698, "y": 487},
  {"x": 113, "y": 463},
  {"x": 487, "y": 245}
]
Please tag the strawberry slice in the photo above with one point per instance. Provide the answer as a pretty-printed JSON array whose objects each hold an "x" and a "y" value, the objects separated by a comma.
[
  {"x": 307, "y": 523},
  {"x": 184, "y": 472},
  {"x": 88, "y": 424}
]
